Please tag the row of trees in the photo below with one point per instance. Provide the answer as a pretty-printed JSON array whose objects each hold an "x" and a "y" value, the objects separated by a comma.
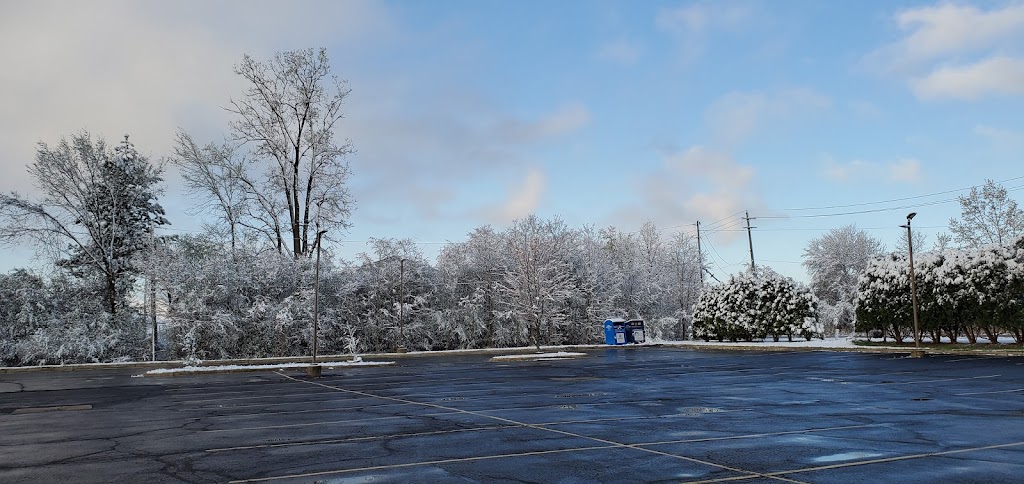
[
  {"x": 277, "y": 181},
  {"x": 970, "y": 292},
  {"x": 535, "y": 282}
]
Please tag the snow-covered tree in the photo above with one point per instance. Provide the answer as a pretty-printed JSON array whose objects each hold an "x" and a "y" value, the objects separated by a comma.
[
  {"x": 290, "y": 183},
  {"x": 988, "y": 216},
  {"x": 755, "y": 304},
  {"x": 883, "y": 297},
  {"x": 835, "y": 261},
  {"x": 97, "y": 211},
  {"x": 537, "y": 281}
]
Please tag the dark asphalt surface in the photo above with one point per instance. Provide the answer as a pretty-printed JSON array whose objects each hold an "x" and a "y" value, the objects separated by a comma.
[{"x": 640, "y": 414}]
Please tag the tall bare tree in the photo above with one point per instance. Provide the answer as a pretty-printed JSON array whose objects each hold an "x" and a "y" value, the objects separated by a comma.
[{"x": 285, "y": 156}]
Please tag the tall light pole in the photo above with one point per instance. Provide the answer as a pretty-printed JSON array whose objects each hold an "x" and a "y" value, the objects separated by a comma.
[
  {"x": 316, "y": 293},
  {"x": 913, "y": 285},
  {"x": 401, "y": 303}
]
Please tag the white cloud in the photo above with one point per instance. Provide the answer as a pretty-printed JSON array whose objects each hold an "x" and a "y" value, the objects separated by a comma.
[
  {"x": 999, "y": 136},
  {"x": 905, "y": 170},
  {"x": 521, "y": 201},
  {"x": 701, "y": 18},
  {"x": 693, "y": 184},
  {"x": 566, "y": 120},
  {"x": 737, "y": 115},
  {"x": 956, "y": 51},
  {"x": 937, "y": 31},
  {"x": 621, "y": 51},
  {"x": 995, "y": 75},
  {"x": 144, "y": 68},
  {"x": 690, "y": 25},
  {"x": 417, "y": 156}
]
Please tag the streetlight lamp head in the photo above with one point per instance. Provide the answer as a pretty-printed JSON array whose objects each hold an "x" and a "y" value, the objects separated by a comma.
[{"x": 911, "y": 216}]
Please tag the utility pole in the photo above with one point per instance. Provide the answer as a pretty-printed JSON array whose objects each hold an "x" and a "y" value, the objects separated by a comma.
[
  {"x": 750, "y": 240},
  {"x": 700, "y": 255}
]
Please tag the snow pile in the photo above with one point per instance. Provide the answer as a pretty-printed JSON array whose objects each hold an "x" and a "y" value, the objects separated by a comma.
[
  {"x": 814, "y": 343},
  {"x": 540, "y": 356},
  {"x": 278, "y": 366}
]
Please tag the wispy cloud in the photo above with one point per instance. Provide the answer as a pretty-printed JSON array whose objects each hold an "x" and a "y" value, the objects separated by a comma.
[
  {"x": 621, "y": 51},
  {"x": 995, "y": 75},
  {"x": 691, "y": 25},
  {"x": 565, "y": 120},
  {"x": 693, "y": 184},
  {"x": 521, "y": 201},
  {"x": 905, "y": 170},
  {"x": 999, "y": 136},
  {"x": 956, "y": 51},
  {"x": 737, "y": 115}
]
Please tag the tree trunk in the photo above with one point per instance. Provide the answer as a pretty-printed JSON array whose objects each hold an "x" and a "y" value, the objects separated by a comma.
[
  {"x": 111, "y": 294},
  {"x": 993, "y": 338},
  {"x": 972, "y": 335}
]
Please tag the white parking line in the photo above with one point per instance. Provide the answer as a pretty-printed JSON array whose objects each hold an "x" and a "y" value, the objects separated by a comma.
[
  {"x": 357, "y": 439},
  {"x": 610, "y": 444},
  {"x": 939, "y": 380},
  {"x": 867, "y": 462},
  {"x": 989, "y": 393},
  {"x": 427, "y": 463}
]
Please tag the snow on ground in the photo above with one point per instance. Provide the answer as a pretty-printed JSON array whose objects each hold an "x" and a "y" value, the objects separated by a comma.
[
  {"x": 278, "y": 366},
  {"x": 801, "y": 343},
  {"x": 540, "y": 356}
]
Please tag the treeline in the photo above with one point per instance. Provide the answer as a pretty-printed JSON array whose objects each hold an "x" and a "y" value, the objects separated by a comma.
[
  {"x": 536, "y": 282},
  {"x": 974, "y": 293}
]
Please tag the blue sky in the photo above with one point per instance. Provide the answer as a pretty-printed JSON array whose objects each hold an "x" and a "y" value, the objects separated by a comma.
[{"x": 601, "y": 112}]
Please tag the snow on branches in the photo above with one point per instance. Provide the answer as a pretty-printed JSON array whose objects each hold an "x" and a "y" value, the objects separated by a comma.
[{"x": 755, "y": 305}]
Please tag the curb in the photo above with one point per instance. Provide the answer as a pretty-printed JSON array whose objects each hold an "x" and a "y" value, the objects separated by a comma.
[{"x": 152, "y": 365}]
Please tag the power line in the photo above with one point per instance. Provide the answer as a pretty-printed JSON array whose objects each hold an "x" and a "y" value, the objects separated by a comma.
[
  {"x": 886, "y": 209},
  {"x": 896, "y": 199}
]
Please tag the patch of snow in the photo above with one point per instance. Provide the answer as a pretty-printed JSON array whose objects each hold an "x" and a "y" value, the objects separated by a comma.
[
  {"x": 279, "y": 366},
  {"x": 539, "y": 356},
  {"x": 801, "y": 343}
]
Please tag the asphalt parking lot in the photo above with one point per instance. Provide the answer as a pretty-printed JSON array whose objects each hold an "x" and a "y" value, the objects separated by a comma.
[{"x": 640, "y": 414}]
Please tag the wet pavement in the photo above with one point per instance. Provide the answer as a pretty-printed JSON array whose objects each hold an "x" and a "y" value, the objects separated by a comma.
[{"x": 638, "y": 414}]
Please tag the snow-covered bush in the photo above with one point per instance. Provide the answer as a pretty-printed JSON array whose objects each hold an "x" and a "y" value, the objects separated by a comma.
[
  {"x": 973, "y": 292},
  {"x": 754, "y": 305},
  {"x": 883, "y": 297}
]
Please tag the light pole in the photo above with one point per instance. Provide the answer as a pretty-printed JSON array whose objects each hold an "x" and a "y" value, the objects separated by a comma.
[
  {"x": 913, "y": 287},
  {"x": 401, "y": 304},
  {"x": 316, "y": 293}
]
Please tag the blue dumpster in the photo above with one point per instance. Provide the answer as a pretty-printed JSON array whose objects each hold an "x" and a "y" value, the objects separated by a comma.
[
  {"x": 634, "y": 330},
  {"x": 615, "y": 332}
]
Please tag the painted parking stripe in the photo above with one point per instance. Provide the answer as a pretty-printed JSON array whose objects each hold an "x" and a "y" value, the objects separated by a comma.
[
  {"x": 939, "y": 380},
  {"x": 425, "y": 463},
  {"x": 357, "y": 439},
  {"x": 605, "y": 443},
  {"x": 867, "y": 462},
  {"x": 989, "y": 393}
]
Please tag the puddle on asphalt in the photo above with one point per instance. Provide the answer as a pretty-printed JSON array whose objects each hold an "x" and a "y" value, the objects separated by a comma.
[{"x": 844, "y": 456}]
